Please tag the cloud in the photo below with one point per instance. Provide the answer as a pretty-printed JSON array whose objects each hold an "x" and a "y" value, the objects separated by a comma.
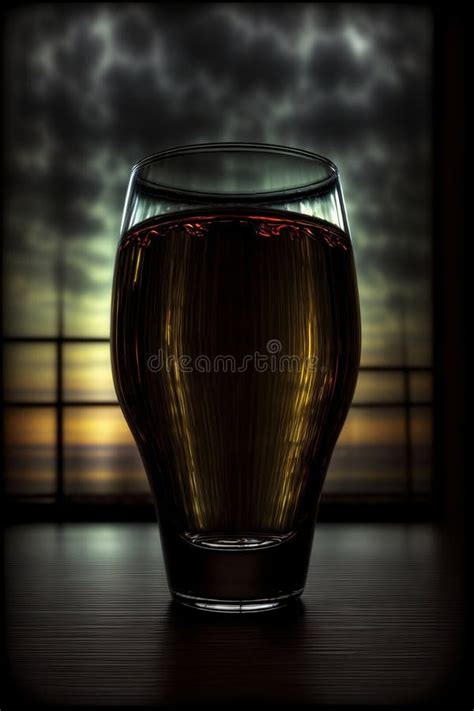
[{"x": 97, "y": 87}]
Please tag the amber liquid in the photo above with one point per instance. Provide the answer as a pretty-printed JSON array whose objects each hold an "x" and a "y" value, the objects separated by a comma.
[{"x": 236, "y": 451}]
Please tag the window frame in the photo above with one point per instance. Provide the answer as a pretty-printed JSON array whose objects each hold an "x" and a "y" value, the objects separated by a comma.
[{"x": 61, "y": 500}]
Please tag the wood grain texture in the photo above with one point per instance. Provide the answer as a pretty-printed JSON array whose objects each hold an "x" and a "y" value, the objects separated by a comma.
[{"x": 90, "y": 621}]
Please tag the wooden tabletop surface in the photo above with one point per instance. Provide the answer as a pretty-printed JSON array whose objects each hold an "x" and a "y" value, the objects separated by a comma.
[{"x": 89, "y": 621}]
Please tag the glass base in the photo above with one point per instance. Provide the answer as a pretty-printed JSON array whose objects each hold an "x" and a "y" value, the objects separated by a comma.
[
  {"x": 237, "y": 606},
  {"x": 240, "y": 572}
]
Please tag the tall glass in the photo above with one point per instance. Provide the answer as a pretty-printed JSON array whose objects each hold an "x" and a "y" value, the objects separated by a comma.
[{"x": 235, "y": 352}]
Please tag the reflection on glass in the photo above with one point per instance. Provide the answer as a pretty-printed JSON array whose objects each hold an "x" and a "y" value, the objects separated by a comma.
[
  {"x": 370, "y": 453},
  {"x": 29, "y": 372},
  {"x": 30, "y": 450},
  {"x": 100, "y": 455},
  {"x": 87, "y": 372}
]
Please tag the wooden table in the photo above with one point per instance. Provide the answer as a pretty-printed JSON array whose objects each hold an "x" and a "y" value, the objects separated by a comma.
[{"x": 90, "y": 621}]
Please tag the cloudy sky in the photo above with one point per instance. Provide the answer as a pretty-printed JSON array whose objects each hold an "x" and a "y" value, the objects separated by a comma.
[{"x": 90, "y": 89}]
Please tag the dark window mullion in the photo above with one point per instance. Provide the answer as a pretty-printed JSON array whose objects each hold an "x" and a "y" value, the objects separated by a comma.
[
  {"x": 408, "y": 439},
  {"x": 59, "y": 424}
]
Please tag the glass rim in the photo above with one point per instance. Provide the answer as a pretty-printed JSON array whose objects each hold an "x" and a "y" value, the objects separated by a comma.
[{"x": 315, "y": 187}]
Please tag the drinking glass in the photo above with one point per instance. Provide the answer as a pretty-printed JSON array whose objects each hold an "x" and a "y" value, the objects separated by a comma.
[{"x": 235, "y": 342}]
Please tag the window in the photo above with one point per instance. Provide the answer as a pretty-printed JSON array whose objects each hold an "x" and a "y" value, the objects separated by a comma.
[
  {"x": 85, "y": 99},
  {"x": 74, "y": 421}
]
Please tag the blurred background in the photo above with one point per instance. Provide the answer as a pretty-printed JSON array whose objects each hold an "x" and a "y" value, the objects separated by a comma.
[{"x": 89, "y": 90}]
